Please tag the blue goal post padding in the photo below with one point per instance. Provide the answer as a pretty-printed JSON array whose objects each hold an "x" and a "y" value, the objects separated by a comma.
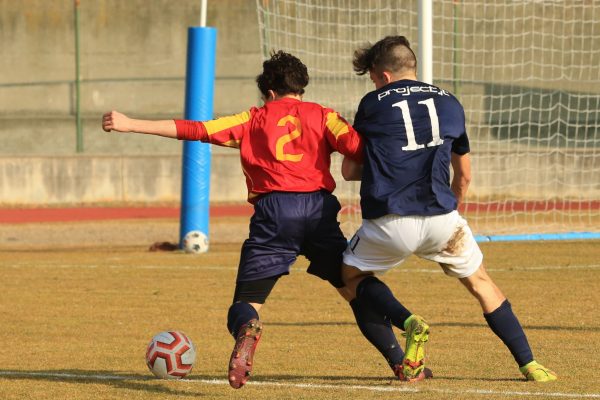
[{"x": 199, "y": 93}]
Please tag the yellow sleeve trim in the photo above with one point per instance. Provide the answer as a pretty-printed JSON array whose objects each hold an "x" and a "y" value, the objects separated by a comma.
[
  {"x": 232, "y": 143},
  {"x": 336, "y": 125},
  {"x": 225, "y": 123}
]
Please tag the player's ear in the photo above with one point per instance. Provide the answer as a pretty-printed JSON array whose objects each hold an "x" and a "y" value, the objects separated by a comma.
[
  {"x": 387, "y": 77},
  {"x": 270, "y": 95}
]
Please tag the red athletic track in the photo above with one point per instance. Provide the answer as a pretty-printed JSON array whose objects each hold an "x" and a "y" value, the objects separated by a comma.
[
  {"x": 30, "y": 215},
  {"x": 549, "y": 205}
]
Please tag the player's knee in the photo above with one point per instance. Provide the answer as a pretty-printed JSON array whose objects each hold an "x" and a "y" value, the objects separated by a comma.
[
  {"x": 346, "y": 293},
  {"x": 348, "y": 273},
  {"x": 352, "y": 276},
  {"x": 481, "y": 285}
]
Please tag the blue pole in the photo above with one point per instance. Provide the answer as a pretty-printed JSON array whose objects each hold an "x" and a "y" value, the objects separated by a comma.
[
  {"x": 195, "y": 174},
  {"x": 539, "y": 236}
]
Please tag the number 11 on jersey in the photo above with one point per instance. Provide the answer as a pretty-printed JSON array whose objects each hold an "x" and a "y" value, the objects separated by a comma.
[{"x": 410, "y": 132}]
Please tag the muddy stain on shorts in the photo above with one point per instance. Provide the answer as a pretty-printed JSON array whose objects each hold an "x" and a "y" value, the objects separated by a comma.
[{"x": 456, "y": 242}]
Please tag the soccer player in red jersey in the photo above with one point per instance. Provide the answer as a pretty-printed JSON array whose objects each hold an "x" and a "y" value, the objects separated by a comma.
[{"x": 285, "y": 149}]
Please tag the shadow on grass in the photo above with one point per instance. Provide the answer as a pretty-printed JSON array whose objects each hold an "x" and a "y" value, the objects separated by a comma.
[
  {"x": 146, "y": 383},
  {"x": 532, "y": 327},
  {"x": 312, "y": 323},
  {"x": 363, "y": 380},
  {"x": 446, "y": 324},
  {"x": 151, "y": 385}
]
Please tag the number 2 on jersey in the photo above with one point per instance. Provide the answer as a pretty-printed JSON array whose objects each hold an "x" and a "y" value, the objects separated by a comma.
[
  {"x": 410, "y": 132},
  {"x": 282, "y": 141}
]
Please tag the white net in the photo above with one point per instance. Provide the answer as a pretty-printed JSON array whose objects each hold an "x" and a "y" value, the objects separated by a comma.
[{"x": 526, "y": 71}]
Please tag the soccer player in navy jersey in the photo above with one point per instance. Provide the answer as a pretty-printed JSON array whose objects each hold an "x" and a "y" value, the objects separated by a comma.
[
  {"x": 285, "y": 149},
  {"x": 414, "y": 132}
]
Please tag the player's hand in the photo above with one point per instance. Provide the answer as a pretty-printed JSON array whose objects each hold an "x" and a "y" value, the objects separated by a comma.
[{"x": 116, "y": 121}]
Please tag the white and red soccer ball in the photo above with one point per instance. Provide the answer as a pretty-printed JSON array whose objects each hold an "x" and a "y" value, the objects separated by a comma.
[{"x": 170, "y": 355}]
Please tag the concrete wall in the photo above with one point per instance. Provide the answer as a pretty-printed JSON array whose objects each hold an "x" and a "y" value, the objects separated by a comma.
[
  {"x": 80, "y": 180},
  {"x": 132, "y": 58},
  {"x": 63, "y": 180}
]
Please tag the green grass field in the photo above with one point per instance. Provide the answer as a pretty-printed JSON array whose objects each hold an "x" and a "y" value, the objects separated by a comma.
[{"x": 76, "y": 322}]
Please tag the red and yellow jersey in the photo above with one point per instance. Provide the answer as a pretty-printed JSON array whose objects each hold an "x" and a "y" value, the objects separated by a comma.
[{"x": 284, "y": 145}]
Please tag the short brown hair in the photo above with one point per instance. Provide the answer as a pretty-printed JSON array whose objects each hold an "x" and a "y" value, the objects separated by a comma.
[
  {"x": 284, "y": 74},
  {"x": 392, "y": 53}
]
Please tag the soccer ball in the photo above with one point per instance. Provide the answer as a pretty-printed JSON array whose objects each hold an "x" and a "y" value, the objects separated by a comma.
[
  {"x": 195, "y": 242},
  {"x": 170, "y": 355}
]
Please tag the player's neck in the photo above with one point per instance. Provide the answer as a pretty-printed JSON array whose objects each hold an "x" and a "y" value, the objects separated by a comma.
[
  {"x": 273, "y": 96},
  {"x": 289, "y": 96},
  {"x": 387, "y": 77},
  {"x": 400, "y": 77}
]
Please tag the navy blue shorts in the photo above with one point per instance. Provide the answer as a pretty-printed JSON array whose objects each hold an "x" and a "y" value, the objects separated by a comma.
[{"x": 285, "y": 225}]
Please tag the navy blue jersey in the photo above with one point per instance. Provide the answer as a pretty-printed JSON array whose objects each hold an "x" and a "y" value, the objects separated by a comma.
[{"x": 410, "y": 128}]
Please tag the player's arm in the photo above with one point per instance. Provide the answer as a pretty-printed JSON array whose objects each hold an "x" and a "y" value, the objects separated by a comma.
[
  {"x": 351, "y": 170},
  {"x": 116, "y": 121},
  {"x": 461, "y": 166},
  {"x": 343, "y": 137},
  {"x": 226, "y": 131}
]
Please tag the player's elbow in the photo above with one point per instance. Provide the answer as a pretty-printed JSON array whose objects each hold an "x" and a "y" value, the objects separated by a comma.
[
  {"x": 465, "y": 180},
  {"x": 348, "y": 176},
  {"x": 351, "y": 170},
  {"x": 462, "y": 177}
]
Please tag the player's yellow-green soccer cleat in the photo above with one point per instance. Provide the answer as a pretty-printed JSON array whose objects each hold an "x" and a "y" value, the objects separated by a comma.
[
  {"x": 417, "y": 334},
  {"x": 537, "y": 372}
]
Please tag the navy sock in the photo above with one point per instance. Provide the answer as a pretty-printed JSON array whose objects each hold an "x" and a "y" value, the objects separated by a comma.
[
  {"x": 239, "y": 314},
  {"x": 378, "y": 331},
  {"x": 373, "y": 293},
  {"x": 506, "y": 326}
]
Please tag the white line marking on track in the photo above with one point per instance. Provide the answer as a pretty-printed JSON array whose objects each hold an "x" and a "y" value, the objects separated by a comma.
[{"x": 316, "y": 386}]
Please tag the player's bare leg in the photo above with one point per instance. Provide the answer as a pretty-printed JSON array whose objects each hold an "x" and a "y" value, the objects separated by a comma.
[
  {"x": 504, "y": 323},
  {"x": 481, "y": 286},
  {"x": 352, "y": 277},
  {"x": 346, "y": 293}
]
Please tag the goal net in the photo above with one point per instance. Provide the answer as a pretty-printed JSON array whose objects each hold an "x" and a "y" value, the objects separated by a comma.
[{"x": 526, "y": 71}]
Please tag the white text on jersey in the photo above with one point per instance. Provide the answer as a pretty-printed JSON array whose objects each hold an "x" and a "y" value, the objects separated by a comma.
[{"x": 408, "y": 90}]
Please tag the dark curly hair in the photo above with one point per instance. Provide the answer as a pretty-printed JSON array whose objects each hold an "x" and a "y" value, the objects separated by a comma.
[
  {"x": 284, "y": 74},
  {"x": 392, "y": 53}
]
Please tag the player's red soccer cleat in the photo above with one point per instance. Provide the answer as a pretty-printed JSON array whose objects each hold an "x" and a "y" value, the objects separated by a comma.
[
  {"x": 240, "y": 363},
  {"x": 426, "y": 373}
]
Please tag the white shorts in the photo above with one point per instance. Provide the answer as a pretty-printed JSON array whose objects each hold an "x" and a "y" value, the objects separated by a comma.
[{"x": 383, "y": 243}]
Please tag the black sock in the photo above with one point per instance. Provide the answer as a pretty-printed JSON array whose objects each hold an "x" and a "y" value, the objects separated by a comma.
[
  {"x": 378, "y": 331},
  {"x": 373, "y": 293},
  {"x": 239, "y": 314},
  {"x": 506, "y": 326}
]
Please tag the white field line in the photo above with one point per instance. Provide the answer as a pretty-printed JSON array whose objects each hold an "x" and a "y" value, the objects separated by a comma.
[
  {"x": 314, "y": 386},
  {"x": 401, "y": 269}
]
